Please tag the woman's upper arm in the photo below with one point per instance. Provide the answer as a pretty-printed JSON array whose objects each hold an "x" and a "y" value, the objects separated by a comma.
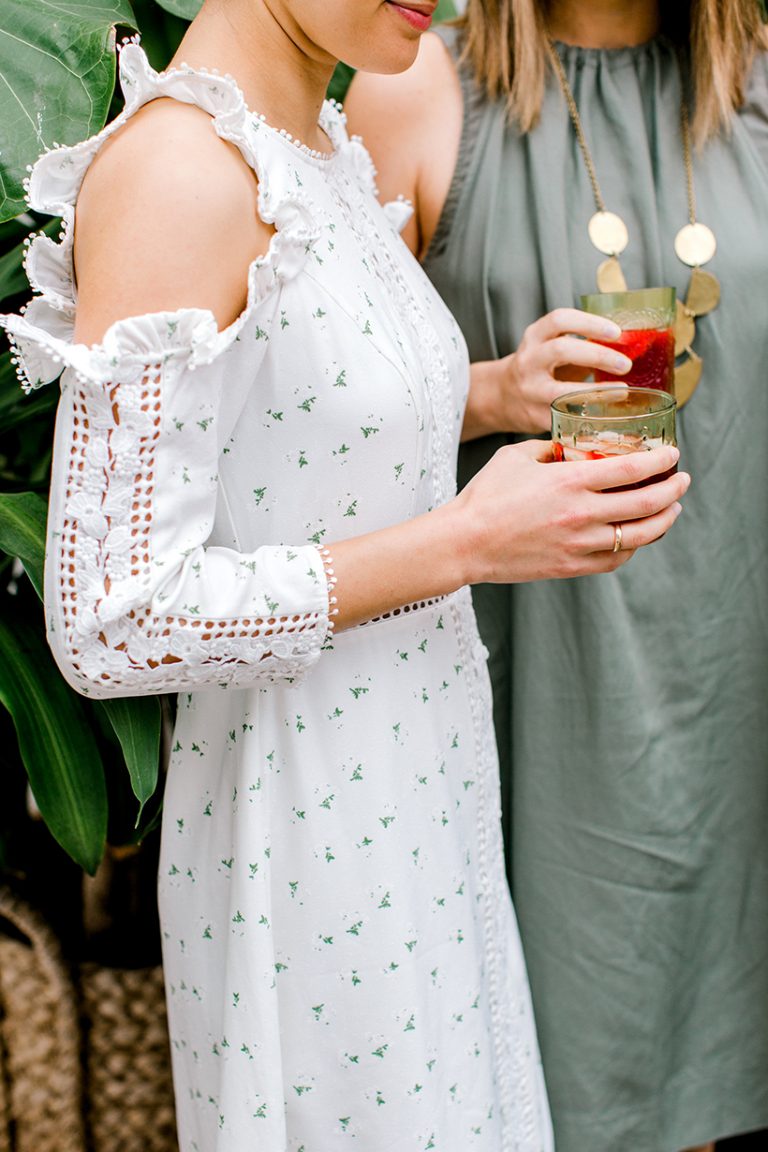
[
  {"x": 166, "y": 219},
  {"x": 411, "y": 125}
]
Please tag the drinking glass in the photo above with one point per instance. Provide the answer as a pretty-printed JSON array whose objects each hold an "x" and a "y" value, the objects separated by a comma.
[
  {"x": 611, "y": 420},
  {"x": 646, "y": 318}
]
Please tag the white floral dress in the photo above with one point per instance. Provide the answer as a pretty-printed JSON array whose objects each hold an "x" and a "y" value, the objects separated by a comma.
[{"x": 342, "y": 961}]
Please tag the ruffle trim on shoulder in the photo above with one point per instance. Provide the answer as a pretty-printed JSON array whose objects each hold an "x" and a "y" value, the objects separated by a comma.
[
  {"x": 398, "y": 212},
  {"x": 361, "y": 161},
  {"x": 43, "y": 333},
  {"x": 42, "y": 345}
]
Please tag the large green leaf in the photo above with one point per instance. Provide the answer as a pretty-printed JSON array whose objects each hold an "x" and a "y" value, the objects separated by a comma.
[
  {"x": 161, "y": 32},
  {"x": 13, "y": 278},
  {"x": 136, "y": 723},
  {"x": 10, "y": 388},
  {"x": 187, "y": 9},
  {"x": 57, "y": 76},
  {"x": 22, "y": 532},
  {"x": 55, "y": 741},
  {"x": 16, "y": 408}
]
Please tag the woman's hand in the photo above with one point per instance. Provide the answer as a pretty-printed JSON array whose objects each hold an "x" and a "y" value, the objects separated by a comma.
[
  {"x": 520, "y": 518},
  {"x": 555, "y": 355},
  {"x": 527, "y": 519}
]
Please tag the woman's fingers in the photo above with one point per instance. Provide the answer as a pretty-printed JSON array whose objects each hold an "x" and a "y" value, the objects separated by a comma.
[
  {"x": 637, "y": 533},
  {"x": 540, "y": 450},
  {"x": 563, "y": 320},
  {"x": 615, "y": 477},
  {"x": 621, "y": 471},
  {"x": 527, "y": 522},
  {"x": 606, "y": 561},
  {"x": 630, "y": 535},
  {"x": 584, "y": 354},
  {"x": 568, "y": 336},
  {"x": 640, "y": 503}
]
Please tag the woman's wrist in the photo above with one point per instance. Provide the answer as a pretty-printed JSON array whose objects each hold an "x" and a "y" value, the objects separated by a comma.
[
  {"x": 420, "y": 559},
  {"x": 470, "y": 546},
  {"x": 483, "y": 414}
]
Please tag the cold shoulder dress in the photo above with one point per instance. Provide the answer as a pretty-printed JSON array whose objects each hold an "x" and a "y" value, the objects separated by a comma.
[
  {"x": 342, "y": 961},
  {"x": 631, "y": 708}
]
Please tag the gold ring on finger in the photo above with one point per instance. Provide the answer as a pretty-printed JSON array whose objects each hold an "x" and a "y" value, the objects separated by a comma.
[{"x": 617, "y": 538}]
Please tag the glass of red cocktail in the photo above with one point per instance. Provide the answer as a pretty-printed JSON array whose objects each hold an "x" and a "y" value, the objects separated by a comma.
[
  {"x": 646, "y": 318},
  {"x": 611, "y": 420}
]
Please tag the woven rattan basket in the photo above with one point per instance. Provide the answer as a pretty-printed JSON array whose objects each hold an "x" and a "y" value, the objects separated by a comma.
[{"x": 84, "y": 1059}]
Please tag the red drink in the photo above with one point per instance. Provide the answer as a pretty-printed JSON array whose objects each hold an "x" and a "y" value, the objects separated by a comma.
[
  {"x": 597, "y": 449},
  {"x": 652, "y": 352}
]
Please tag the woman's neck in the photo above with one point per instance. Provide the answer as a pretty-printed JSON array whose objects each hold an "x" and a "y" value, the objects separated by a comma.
[
  {"x": 603, "y": 23},
  {"x": 281, "y": 74}
]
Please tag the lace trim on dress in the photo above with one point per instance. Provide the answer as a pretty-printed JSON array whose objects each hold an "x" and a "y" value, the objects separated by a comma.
[
  {"x": 398, "y": 212},
  {"x": 404, "y": 610},
  {"x": 518, "y": 1090},
  {"x": 365, "y": 226}
]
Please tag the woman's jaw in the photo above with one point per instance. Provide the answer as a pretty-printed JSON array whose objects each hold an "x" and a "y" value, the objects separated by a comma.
[
  {"x": 283, "y": 52},
  {"x": 378, "y": 35},
  {"x": 371, "y": 35}
]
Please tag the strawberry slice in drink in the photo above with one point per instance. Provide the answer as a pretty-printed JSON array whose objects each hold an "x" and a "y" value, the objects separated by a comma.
[
  {"x": 603, "y": 446},
  {"x": 652, "y": 352}
]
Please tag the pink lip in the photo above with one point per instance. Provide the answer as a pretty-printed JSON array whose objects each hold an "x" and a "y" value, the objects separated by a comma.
[{"x": 419, "y": 16}]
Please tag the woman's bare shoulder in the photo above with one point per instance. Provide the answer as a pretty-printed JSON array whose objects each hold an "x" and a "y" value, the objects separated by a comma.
[
  {"x": 164, "y": 199},
  {"x": 166, "y": 151},
  {"x": 411, "y": 124},
  {"x": 404, "y": 109}
]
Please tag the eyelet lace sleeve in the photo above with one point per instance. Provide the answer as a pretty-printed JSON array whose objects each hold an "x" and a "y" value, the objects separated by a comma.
[
  {"x": 140, "y": 596},
  {"x": 136, "y": 601}
]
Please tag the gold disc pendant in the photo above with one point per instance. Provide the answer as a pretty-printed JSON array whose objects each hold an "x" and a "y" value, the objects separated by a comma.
[
  {"x": 695, "y": 244},
  {"x": 687, "y": 376},
  {"x": 608, "y": 233},
  {"x": 610, "y": 277},
  {"x": 703, "y": 292}
]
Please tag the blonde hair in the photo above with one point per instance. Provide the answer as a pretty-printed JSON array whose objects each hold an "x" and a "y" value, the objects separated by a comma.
[{"x": 505, "y": 45}]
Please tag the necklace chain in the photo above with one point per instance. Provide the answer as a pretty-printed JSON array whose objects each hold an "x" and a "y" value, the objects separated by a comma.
[
  {"x": 576, "y": 121},
  {"x": 695, "y": 244},
  {"x": 685, "y": 129},
  {"x": 573, "y": 111}
]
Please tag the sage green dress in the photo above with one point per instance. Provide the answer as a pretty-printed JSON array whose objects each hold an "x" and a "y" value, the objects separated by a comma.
[{"x": 632, "y": 708}]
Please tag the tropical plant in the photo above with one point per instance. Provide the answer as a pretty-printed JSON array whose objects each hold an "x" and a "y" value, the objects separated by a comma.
[{"x": 58, "y": 66}]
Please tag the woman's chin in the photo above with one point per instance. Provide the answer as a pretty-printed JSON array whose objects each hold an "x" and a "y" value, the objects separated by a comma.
[{"x": 387, "y": 63}]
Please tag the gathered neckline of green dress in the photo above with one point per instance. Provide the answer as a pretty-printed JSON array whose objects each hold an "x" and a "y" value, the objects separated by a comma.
[{"x": 581, "y": 55}]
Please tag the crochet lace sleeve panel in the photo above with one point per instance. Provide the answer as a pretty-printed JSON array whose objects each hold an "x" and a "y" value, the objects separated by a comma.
[
  {"x": 136, "y": 602},
  {"x": 136, "y": 599}
]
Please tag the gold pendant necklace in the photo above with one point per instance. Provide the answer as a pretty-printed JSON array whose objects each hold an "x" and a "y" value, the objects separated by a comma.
[{"x": 695, "y": 244}]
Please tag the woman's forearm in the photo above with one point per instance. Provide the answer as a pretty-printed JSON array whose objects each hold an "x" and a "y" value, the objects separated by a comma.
[
  {"x": 420, "y": 559},
  {"x": 520, "y": 518},
  {"x": 482, "y": 416}
]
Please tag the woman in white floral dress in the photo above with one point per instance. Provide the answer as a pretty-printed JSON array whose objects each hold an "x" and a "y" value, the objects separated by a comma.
[{"x": 342, "y": 961}]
